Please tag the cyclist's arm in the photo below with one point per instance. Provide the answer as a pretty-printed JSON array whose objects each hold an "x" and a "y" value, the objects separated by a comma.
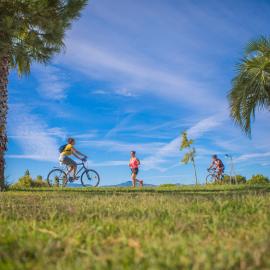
[
  {"x": 78, "y": 154},
  {"x": 211, "y": 166},
  {"x": 139, "y": 163}
]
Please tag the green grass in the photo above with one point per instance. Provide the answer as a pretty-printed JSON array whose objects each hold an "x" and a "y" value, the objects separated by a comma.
[{"x": 219, "y": 227}]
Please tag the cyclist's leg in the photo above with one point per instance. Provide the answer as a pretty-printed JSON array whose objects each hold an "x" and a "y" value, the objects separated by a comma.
[
  {"x": 219, "y": 173},
  {"x": 72, "y": 166},
  {"x": 71, "y": 170},
  {"x": 74, "y": 170}
]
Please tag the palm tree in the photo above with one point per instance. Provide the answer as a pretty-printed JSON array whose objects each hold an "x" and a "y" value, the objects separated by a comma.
[
  {"x": 251, "y": 86},
  {"x": 29, "y": 31}
]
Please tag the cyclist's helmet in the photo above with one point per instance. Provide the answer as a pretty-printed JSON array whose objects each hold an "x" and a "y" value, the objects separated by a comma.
[{"x": 214, "y": 156}]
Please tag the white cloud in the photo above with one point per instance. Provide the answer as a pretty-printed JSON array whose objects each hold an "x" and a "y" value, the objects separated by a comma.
[
  {"x": 52, "y": 82},
  {"x": 136, "y": 74},
  {"x": 124, "y": 92},
  {"x": 35, "y": 139},
  {"x": 100, "y": 92},
  {"x": 162, "y": 155},
  {"x": 87, "y": 135},
  {"x": 119, "y": 92},
  {"x": 257, "y": 156},
  {"x": 121, "y": 147},
  {"x": 205, "y": 125},
  {"x": 111, "y": 163},
  {"x": 121, "y": 126},
  {"x": 172, "y": 148}
]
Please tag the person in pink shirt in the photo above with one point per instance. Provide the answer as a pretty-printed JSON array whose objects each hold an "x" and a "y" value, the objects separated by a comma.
[{"x": 134, "y": 164}]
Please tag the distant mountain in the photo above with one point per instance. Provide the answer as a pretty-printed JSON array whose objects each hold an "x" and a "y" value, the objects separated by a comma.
[
  {"x": 124, "y": 184},
  {"x": 74, "y": 185}
]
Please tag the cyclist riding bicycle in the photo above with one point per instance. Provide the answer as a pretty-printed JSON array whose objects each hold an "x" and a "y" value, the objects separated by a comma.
[
  {"x": 67, "y": 150},
  {"x": 218, "y": 165}
]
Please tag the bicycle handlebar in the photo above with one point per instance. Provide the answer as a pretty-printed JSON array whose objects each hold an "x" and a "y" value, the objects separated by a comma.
[{"x": 83, "y": 161}]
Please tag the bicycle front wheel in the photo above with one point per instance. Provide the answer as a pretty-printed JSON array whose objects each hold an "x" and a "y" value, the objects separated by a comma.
[
  {"x": 210, "y": 179},
  {"x": 57, "y": 178},
  {"x": 90, "y": 178}
]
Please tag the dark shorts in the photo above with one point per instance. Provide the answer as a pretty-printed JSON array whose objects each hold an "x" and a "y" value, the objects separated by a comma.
[
  {"x": 135, "y": 171},
  {"x": 68, "y": 161}
]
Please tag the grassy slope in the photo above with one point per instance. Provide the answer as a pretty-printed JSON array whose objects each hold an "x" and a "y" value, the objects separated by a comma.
[{"x": 123, "y": 229}]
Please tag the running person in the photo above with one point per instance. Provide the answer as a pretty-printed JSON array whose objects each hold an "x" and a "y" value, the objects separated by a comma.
[
  {"x": 65, "y": 152},
  {"x": 134, "y": 164},
  {"x": 218, "y": 165}
]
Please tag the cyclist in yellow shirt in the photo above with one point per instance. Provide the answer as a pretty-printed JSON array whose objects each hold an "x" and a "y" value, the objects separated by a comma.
[{"x": 66, "y": 151}]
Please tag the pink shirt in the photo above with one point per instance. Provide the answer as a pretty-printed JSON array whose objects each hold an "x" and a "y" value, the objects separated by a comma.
[{"x": 133, "y": 163}]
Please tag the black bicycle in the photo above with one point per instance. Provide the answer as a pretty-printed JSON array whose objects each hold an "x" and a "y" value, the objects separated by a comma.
[
  {"x": 214, "y": 177},
  {"x": 59, "y": 176}
]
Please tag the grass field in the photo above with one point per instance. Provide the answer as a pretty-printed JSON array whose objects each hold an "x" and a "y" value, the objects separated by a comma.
[{"x": 225, "y": 227}]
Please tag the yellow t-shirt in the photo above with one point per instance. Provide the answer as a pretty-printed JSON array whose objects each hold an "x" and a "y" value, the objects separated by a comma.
[{"x": 67, "y": 151}]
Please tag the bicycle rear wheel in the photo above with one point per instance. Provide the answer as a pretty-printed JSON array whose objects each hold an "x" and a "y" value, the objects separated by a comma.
[
  {"x": 57, "y": 178},
  {"x": 210, "y": 179},
  {"x": 90, "y": 178}
]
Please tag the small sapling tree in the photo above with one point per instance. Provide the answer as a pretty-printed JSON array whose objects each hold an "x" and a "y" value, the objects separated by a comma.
[{"x": 190, "y": 154}]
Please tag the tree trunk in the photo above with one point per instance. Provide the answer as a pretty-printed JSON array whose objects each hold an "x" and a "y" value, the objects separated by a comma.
[
  {"x": 195, "y": 171},
  {"x": 4, "y": 71}
]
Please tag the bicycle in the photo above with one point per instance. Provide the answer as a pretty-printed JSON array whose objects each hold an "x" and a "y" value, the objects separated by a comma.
[
  {"x": 60, "y": 177},
  {"x": 213, "y": 177}
]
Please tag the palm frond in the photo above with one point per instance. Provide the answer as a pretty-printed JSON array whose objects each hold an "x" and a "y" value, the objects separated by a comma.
[
  {"x": 251, "y": 86},
  {"x": 260, "y": 45},
  {"x": 35, "y": 30}
]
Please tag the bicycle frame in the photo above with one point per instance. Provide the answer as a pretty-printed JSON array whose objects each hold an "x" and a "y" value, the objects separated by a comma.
[
  {"x": 214, "y": 174},
  {"x": 81, "y": 169}
]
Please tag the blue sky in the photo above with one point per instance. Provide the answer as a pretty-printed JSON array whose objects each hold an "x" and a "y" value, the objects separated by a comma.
[{"x": 133, "y": 76}]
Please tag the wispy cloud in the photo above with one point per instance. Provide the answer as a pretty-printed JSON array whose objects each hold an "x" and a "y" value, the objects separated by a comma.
[
  {"x": 172, "y": 148},
  {"x": 34, "y": 138},
  {"x": 100, "y": 92},
  {"x": 135, "y": 74},
  {"x": 249, "y": 156},
  {"x": 205, "y": 125},
  {"x": 121, "y": 147},
  {"x": 110, "y": 163},
  {"x": 124, "y": 92},
  {"x": 52, "y": 81},
  {"x": 121, "y": 126},
  {"x": 87, "y": 135}
]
